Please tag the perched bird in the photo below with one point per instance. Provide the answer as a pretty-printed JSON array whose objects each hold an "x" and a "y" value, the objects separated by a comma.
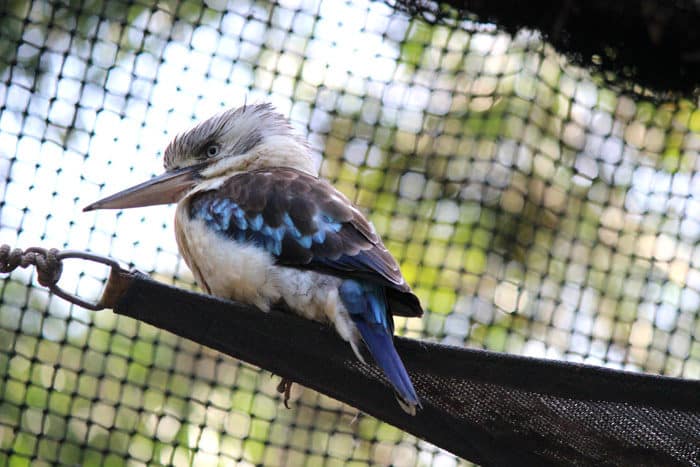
[{"x": 255, "y": 224}]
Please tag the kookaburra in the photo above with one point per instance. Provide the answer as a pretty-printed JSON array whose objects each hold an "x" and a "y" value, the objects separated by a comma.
[{"x": 256, "y": 224}]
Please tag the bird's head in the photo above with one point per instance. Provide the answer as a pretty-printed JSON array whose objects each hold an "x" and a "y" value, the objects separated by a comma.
[{"x": 238, "y": 140}]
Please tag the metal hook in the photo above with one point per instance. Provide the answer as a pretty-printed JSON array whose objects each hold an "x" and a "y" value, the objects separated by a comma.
[
  {"x": 72, "y": 298},
  {"x": 48, "y": 264}
]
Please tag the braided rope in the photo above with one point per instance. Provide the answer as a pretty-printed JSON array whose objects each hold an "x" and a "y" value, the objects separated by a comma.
[{"x": 48, "y": 266}]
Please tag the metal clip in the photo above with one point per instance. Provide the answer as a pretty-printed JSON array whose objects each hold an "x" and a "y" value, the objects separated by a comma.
[{"x": 70, "y": 254}]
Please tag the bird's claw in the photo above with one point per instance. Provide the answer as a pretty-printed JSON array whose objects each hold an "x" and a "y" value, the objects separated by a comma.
[
  {"x": 285, "y": 387},
  {"x": 355, "y": 419}
]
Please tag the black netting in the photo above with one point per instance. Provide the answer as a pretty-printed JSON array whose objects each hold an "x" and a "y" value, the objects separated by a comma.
[
  {"x": 534, "y": 209},
  {"x": 491, "y": 408}
]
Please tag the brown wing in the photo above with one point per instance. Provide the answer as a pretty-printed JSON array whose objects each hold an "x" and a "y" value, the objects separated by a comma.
[{"x": 305, "y": 223}]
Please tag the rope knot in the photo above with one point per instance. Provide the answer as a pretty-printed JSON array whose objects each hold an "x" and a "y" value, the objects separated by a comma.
[
  {"x": 49, "y": 268},
  {"x": 47, "y": 263}
]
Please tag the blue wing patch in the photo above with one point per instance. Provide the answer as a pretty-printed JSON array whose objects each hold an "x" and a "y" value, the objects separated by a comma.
[
  {"x": 226, "y": 216},
  {"x": 305, "y": 223}
]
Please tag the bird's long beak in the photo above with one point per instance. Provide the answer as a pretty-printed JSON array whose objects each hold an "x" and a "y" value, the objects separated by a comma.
[{"x": 163, "y": 189}]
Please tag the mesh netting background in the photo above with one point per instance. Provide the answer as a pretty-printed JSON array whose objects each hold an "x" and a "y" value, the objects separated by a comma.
[{"x": 533, "y": 209}]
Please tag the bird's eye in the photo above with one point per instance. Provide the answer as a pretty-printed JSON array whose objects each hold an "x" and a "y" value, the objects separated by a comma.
[{"x": 212, "y": 150}]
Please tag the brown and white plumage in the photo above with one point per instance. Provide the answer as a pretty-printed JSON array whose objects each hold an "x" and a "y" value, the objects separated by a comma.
[
  {"x": 274, "y": 192},
  {"x": 256, "y": 224}
]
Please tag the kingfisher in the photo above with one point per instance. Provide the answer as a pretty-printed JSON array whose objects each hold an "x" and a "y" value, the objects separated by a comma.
[{"x": 256, "y": 224}]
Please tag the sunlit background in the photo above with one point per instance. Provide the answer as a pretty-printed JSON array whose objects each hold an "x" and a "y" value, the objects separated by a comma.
[{"x": 533, "y": 209}]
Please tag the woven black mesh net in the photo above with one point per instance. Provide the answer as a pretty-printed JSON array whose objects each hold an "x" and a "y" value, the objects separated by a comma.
[{"x": 540, "y": 201}]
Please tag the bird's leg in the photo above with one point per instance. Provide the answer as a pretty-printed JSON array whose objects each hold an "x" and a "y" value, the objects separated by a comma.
[
  {"x": 355, "y": 419},
  {"x": 285, "y": 387}
]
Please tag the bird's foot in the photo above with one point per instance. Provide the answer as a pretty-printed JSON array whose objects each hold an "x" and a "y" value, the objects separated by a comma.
[
  {"x": 285, "y": 387},
  {"x": 355, "y": 419}
]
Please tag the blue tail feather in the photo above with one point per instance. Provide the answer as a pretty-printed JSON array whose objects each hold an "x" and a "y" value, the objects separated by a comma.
[{"x": 366, "y": 304}]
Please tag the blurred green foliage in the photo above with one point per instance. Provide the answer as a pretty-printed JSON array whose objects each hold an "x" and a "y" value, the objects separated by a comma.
[{"x": 481, "y": 201}]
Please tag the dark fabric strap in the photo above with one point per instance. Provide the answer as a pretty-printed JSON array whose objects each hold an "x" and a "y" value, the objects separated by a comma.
[{"x": 489, "y": 408}]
